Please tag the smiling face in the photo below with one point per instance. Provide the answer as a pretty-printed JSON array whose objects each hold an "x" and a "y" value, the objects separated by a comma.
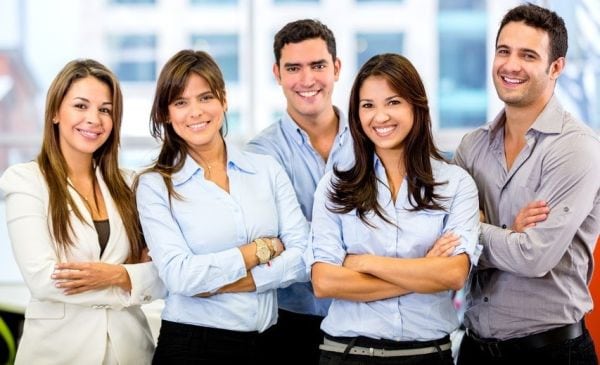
[
  {"x": 197, "y": 115},
  {"x": 84, "y": 117},
  {"x": 307, "y": 73},
  {"x": 522, "y": 73},
  {"x": 385, "y": 117}
]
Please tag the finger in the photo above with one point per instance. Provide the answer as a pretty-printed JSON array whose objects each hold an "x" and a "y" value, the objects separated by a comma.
[
  {"x": 71, "y": 265},
  {"x": 66, "y": 274},
  {"x": 536, "y": 204}
]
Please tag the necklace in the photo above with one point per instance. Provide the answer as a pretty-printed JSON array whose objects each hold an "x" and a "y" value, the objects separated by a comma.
[{"x": 86, "y": 199}]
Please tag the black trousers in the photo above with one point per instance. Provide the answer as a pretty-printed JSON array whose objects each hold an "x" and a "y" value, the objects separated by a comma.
[
  {"x": 180, "y": 343},
  {"x": 294, "y": 339},
  {"x": 577, "y": 351}
]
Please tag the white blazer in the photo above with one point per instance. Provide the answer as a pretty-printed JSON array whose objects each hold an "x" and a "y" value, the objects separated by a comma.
[{"x": 73, "y": 329}]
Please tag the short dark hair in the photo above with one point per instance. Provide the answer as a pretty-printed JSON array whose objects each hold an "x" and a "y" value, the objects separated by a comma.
[
  {"x": 301, "y": 30},
  {"x": 544, "y": 19}
]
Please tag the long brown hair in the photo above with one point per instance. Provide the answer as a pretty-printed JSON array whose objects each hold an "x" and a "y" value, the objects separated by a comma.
[
  {"x": 170, "y": 85},
  {"x": 356, "y": 188},
  {"x": 55, "y": 170}
]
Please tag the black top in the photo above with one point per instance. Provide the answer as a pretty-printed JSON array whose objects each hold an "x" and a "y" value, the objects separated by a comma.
[{"x": 103, "y": 229}]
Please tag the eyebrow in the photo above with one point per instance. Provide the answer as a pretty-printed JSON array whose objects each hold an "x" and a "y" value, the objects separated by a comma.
[
  {"x": 313, "y": 63},
  {"x": 386, "y": 99},
  {"x": 87, "y": 101},
  {"x": 527, "y": 50}
]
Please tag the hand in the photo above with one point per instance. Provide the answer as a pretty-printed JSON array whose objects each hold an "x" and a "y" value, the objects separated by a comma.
[
  {"x": 532, "y": 213},
  {"x": 355, "y": 262},
  {"x": 444, "y": 246},
  {"x": 145, "y": 257},
  {"x": 481, "y": 216},
  {"x": 79, "y": 277},
  {"x": 276, "y": 245}
]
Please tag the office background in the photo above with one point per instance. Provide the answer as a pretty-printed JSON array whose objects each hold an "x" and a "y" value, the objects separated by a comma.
[{"x": 449, "y": 41}]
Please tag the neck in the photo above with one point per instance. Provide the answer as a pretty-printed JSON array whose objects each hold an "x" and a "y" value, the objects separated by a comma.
[
  {"x": 519, "y": 119},
  {"x": 324, "y": 124},
  {"x": 79, "y": 167},
  {"x": 393, "y": 161},
  {"x": 208, "y": 157}
]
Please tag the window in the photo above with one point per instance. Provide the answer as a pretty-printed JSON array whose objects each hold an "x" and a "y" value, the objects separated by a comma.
[
  {"x": 133, "y": 2},
  {"x": 462, "y": 69},
  {"x": 214, "y": 2},
  {"x": 134, "y": 57},
  {"x": 224, "y": 49},
  {"x": 370, "y": 44}
]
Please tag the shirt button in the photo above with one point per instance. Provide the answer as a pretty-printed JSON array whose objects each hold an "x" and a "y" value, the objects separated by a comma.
[
  {"x": 504, "y": 226},
  {"x": 486, "y": 299},
  {"x": 565, "y": 209}
]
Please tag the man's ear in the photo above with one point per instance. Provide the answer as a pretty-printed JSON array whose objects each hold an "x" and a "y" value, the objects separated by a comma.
[
  {"x": 276, "y": 73},
  {"x": 557, "y": 67},
  {"x": 337, "y": 66}
]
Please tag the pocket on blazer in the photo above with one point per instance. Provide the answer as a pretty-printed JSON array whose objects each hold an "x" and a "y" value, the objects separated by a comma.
[{"x": 45, "y": 310}]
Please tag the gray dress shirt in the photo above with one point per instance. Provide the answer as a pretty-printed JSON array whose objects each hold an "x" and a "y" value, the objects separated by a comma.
[{"x": 537, "y": 280}]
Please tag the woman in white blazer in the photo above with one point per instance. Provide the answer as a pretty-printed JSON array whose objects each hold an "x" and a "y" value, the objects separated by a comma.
[{"x": 75, "y": 234}]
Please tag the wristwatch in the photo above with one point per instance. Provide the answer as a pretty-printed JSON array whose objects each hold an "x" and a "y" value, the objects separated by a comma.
[{"x": 263, "y": 252}]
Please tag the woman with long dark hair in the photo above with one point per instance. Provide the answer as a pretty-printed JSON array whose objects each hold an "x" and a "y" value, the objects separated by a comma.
[
  {"x": 76, "y": 234},
  {"x": 394, "y": 235},
  {"x": 215, "y": 219}
]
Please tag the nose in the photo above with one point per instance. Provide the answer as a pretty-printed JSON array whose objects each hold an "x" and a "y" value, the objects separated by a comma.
[
  {"x": 197, "y": 109},
  {"x": 93, "y": 117},
  {"x": 512, "y": 63},
  {"x": 381, "y": 115},
  {"x": 307, "y": 77}
]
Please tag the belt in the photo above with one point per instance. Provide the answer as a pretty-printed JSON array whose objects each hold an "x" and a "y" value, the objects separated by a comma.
[
  {"x": 334, "y": 346},
  {"x": 498, "y": 348}
]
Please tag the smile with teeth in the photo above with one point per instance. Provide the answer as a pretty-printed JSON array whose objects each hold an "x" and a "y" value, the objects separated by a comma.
[
  {"x": 88, "y": 134},
  {"x": 511, "y": 81},
  {"x": 198, "y": 126},
  {"x": 384, "y": 131},
  {"x": 308, "y": 94}
]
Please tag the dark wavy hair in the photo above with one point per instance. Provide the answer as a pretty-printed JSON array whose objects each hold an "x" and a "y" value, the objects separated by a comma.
[
  {"x": 301, "y": 30},
  {"x": 544, "y": 19},
  {"x": 170, "y": 85},
  {"x": 356, "y": 188}
]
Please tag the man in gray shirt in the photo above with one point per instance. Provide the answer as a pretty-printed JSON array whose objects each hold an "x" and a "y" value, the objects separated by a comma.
[{"x": 537, "y": 171}]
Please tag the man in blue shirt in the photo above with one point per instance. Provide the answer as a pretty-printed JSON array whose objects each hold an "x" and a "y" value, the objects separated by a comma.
[{"x": 310, "y": 138}]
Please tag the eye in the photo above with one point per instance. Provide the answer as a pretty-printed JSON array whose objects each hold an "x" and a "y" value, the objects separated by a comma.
[
  {"x": 502, "y": 52},
  {"x": 292, "y": 68},
  {"x": 105, "y": 110},
  {"x": 320, "y": 66},
  {"x": 366, "y": 105},
  {"x": 529, "y": 57},
  {"x": 179, "y": 102},
  {"x": 394, "y": 102},
  {"x": 80, "y": 106},
  {"x": 207, "y": 97}
]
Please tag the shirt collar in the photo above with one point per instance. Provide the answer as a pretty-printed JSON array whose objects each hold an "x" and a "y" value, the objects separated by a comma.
[
  {"x": 236, "y": 159},
  {"x": 547, "y": 122}
]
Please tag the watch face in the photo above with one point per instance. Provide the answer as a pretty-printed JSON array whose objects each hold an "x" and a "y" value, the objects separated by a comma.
[{"x": 262, "y": 252}]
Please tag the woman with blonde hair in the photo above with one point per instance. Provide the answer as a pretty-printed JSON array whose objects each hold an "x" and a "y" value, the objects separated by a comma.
[{"x": 75, "y": 231}]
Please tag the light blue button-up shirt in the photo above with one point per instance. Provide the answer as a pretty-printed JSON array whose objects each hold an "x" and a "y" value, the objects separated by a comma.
[
  {"x": 194, "y": 243},
  {"x": 291, "y": 147},
  {"x": 410, "y": 317}
]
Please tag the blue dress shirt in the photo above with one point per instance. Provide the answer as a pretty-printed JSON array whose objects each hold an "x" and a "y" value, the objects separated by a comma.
[
  {"x": 291, "y": 147},
  {"x": 410, "y": 317},
  {"x": 194, "y": 240}
]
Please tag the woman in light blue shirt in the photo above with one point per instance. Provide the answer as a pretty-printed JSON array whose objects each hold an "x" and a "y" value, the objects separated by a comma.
[
  {"x": 223, "y": 226},
  {"x": 375, "y": 225}
]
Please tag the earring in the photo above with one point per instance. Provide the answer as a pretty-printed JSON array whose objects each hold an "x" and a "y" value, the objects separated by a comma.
[{"x": 54, "y": 121}]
